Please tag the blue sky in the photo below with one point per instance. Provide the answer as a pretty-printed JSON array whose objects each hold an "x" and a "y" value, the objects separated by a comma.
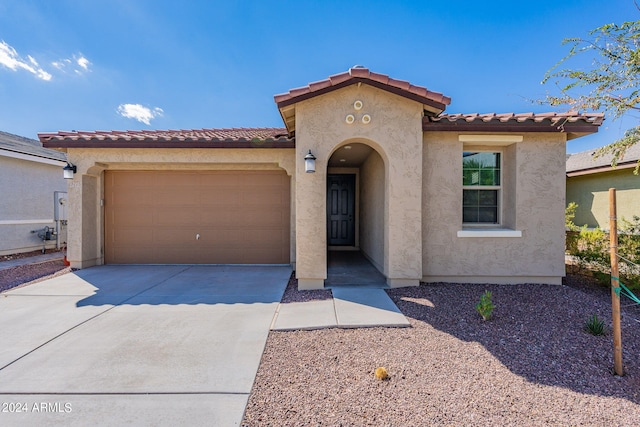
[{"x": 155, "y": 64}]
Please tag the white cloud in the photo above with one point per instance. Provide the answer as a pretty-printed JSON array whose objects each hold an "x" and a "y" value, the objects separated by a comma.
[
  {"x": 83, "y": 63},
  {"x": 10, "y": 59},
  {"x": 78, "y": 64},
  {"x": 139, "y": 112}
]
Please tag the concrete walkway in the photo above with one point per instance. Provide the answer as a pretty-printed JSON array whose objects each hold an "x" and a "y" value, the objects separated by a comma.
[
  {"x": 351, "y": 307},
  {"x": 136, "y": 345},
  {"x": 155, "y": 345}
]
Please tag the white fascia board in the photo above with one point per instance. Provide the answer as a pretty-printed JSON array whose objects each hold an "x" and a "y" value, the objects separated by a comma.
[{"x": 32, "y": 158}]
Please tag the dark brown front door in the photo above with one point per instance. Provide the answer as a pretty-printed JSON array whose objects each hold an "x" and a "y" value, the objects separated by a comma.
[{"x": 341, "y": 208}]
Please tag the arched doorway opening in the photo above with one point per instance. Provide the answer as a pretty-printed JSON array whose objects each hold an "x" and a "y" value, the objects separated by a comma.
[{"x": 356, "y": 211}]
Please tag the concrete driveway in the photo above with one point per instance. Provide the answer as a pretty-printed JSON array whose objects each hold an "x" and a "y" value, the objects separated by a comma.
[{"x": 143, "y": 345}]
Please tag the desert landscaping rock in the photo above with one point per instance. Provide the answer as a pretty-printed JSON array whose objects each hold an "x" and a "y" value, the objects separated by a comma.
[{"x": 532, "y": 364}]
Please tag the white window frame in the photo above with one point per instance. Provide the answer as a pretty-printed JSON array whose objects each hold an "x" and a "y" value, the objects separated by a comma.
[{"x": 481, "y": 225}]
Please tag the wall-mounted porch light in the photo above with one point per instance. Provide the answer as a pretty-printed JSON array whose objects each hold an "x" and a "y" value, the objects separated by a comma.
[
  {"x": 310, "y": 163},
  {"x": 68, "y": 171}
]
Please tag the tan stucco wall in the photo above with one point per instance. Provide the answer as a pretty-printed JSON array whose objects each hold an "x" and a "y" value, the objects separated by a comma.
[
  {"x": 27, "y": 189},
  {"x": 591, "y": 193},
  {"x": 533, "y": 202},
  {"x": 395, "y": 132},
  {"x": 372, "y": 195},
  {"x": 86, "y": 189}
]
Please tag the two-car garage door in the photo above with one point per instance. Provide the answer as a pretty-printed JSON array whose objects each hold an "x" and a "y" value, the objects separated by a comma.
[{"x": 197, "y": 217}]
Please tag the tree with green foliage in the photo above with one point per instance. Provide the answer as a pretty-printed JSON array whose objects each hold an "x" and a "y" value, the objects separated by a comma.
[{"x": 610, "y": 84}]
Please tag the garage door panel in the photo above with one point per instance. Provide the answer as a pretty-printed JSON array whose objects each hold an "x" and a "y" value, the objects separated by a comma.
[
  {"x": 154, "y": 217},
  {"x": 132, "y": 217},
  {"x": 262, "y": 218},
  {"x": 173, "y": 198},
  {"x": 262, "y": 197},
  {"x": 125, "y": 235},
  {"x": 175, "y": 216},
  {"x": 219, "y": 197},
  {"x": 126, "y": 196},
  {"x": 171, "y": 180},
  {"x": 177, "y": 236}
]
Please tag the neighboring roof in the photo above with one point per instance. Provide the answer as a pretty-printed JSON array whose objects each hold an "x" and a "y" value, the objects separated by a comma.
[
  {"x": 433, "y": 102},
  {"x": 587, "y": 163},
  {"x": 193, "y": 138},
  {"x": 574, "y": 124},
  {"x": 19, "y": 144}
]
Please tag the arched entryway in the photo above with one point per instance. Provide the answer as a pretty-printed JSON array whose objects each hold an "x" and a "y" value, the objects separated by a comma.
[{"x": 356, "y": 211}]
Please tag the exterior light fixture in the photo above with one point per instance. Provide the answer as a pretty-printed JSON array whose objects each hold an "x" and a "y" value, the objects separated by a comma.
[
  {"x": 69, "y": 170},
  {"x": 310, "y": 163}
]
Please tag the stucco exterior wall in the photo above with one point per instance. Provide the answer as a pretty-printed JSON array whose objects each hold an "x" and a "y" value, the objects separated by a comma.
[
  {"x": 532, "y": 203},
  {"x": 372, "y": 195},
  {"x": 27, "y": 189},
  {"x": 86, "y": 189},
  {"x": 591, "y": 193},
  {"x": 395, "y": 132}
]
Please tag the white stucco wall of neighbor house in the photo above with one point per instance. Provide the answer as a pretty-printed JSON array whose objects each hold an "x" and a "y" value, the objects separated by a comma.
[
  {"x": 394, "y": 131},
  {"x": 528, "y": 246},
  {"x": 86, "y": 189},
  {"x": 27, "y": 188}
]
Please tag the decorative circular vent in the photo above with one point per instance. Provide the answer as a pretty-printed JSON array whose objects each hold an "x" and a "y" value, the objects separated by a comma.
[{"x": 350, "y": 119}]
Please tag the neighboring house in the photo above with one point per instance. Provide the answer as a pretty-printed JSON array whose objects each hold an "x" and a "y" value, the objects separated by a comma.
[
  {"x": 31, "y": 183},
  {"x": 425, "y": 196},
  {"x": 589, "y": 179}
]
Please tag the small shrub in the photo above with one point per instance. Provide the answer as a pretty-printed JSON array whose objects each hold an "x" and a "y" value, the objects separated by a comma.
[
  {"x": 485, "y": 306},
  {"x": 569, "y": 215},
  {"x": 595, "y": 326},
  {"x": 590, "y": 247}
]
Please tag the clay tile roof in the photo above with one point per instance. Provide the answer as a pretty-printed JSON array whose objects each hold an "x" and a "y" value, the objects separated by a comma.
[
  {"x": 523, "y": 122},
  {"x": 274, "y": 137},
  {"x": 362, "y": 74}
]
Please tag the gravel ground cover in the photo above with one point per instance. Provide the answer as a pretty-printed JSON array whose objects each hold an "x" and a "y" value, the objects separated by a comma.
[
  {"x": 30, "y": 273},
  {"x": 531, "y": 365}
]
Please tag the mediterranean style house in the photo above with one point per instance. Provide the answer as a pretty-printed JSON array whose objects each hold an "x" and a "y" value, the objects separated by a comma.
[{"x": 365, "y": 162}]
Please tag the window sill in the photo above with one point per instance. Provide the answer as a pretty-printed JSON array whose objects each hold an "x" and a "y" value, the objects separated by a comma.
[{"x": 490, "y": 232}]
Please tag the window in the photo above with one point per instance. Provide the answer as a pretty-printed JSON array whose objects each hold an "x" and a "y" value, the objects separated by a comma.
[{"x": 481, "y": 188}]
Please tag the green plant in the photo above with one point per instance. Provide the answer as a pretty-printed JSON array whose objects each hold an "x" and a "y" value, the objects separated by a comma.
[
  {"x": 595, "y": 326},
  {"x": 590, "y": 248},
  {"x": 569, "y": 215},
  {"x": 485, "y": 306}
]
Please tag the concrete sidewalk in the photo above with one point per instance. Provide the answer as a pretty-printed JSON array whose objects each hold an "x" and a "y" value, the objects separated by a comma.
[{"x": 351, "y": 307}]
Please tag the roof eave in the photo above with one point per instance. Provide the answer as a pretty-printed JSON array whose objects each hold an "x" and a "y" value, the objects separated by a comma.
[
  {"x": 166, "y": 143},
  {"x": 439, "y": 106},
  {"x": 573, "y": 130},
  {"x": 600, "y": 169}
]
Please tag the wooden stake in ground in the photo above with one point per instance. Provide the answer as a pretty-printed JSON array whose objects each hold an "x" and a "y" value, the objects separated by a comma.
[{"x": 615, "y": 284}]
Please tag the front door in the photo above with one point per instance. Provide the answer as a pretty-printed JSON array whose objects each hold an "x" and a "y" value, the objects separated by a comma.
[{"x": 341, "y": 207}]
